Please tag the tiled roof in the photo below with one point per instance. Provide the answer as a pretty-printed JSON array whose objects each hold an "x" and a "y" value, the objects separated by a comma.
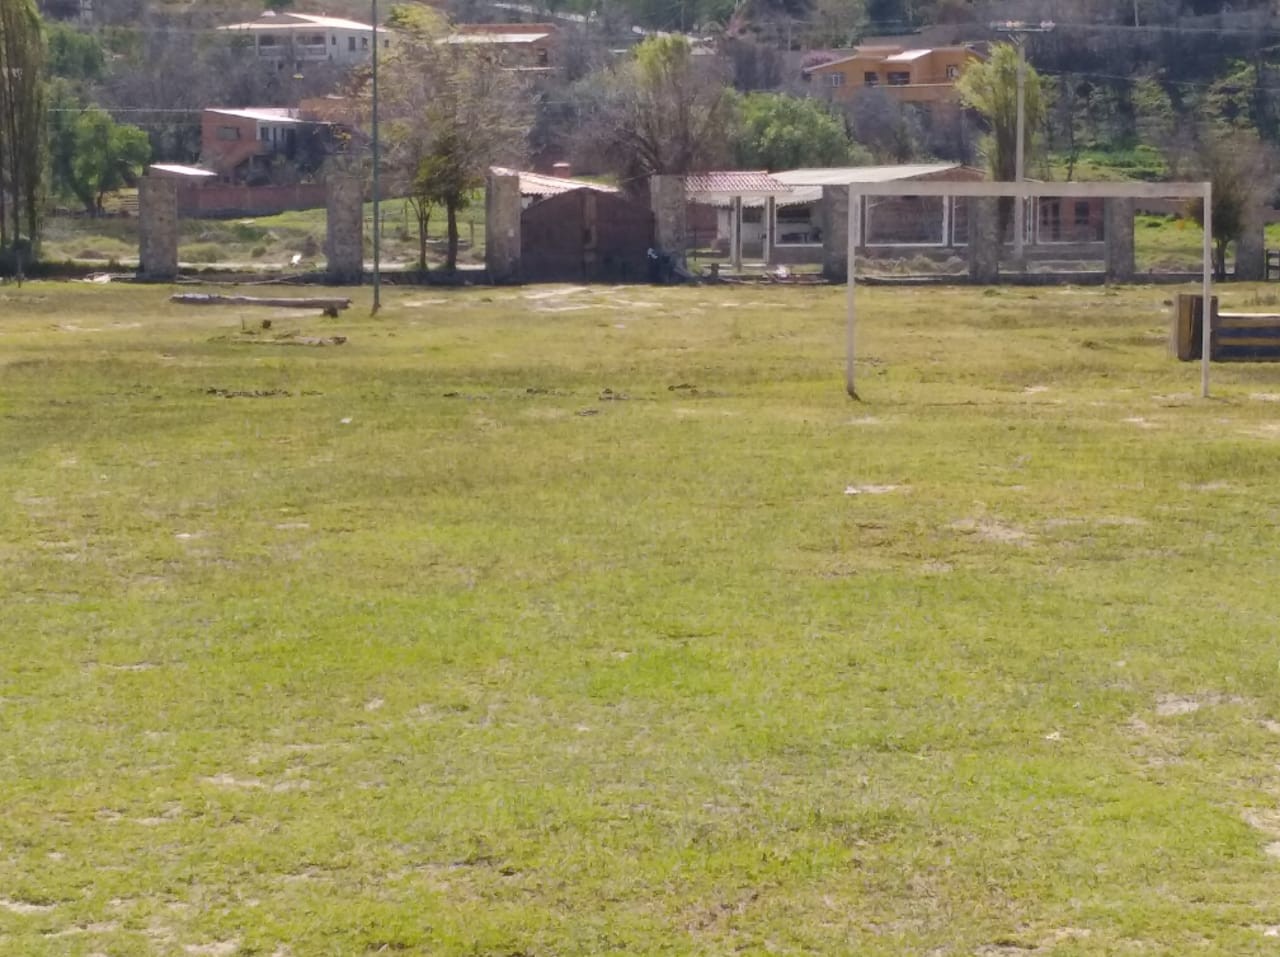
[{"x": 733, "y": 183}]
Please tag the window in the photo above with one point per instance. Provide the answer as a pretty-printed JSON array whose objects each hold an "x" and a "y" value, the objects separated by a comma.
[
  {"x": 333, "y": 40},
  {"x": 953, "y": 72},
  {"x": 316, "y": 41},
  {"x": 266, "y": 41},
  {"x": 871, "y": 78},
  {"x": 542, "y": 56},
  {"x": 351, "y": 44},
  {"x": 228, "y": 132},
  {"x": 265, "y": 134},
  {"x": 1082, "y": 212},
  {"x": 897, "y": 78},
  {"x": 364, "y": 43},
  {"x": 835, "y": 79}
]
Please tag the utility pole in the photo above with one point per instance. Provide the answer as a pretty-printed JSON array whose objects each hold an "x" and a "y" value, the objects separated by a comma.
[{"x": 377, "y": 220}]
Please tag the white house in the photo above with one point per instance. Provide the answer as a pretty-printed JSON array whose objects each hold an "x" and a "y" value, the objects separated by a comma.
[{"x": 291, "y": 39}]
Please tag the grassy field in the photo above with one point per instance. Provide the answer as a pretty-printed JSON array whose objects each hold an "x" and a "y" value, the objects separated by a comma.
[{"x": 556, "y": 621}]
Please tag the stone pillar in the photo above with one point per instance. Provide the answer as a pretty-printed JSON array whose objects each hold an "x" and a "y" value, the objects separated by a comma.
[
  {"x": 157, "y": 228},
  {"x": 344, "y": 230},
  {"x": 1251, "y": 246},
  {"x": 835, "y": 233},
  {"x": 502, "y": 209},
  {"x": 984, "y": 239},
  {"x": 770, "y": 227},
  {"x": 1118, "y": 230},
  {"x": 670, "y": 216}
]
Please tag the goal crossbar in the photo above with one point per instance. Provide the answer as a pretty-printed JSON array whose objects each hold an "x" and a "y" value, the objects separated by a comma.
[{"x": 1026, "y": 190}]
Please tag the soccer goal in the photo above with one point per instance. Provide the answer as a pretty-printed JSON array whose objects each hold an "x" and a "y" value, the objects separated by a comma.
[{"x": 953, "y": 215}]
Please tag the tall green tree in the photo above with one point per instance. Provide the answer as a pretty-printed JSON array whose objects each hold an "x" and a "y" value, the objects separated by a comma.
[
  {"x": 991, "y": 88},
  {"x": 22, "y": 123},
  {"x": 777, "y": 131},
  {"x": 94, "y": 155}
]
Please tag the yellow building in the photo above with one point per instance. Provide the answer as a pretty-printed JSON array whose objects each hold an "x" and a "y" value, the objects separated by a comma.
[{"x": 910, "y": 76}]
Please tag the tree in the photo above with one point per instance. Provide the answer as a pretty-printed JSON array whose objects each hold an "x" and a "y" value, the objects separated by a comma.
[
  {"x": 991, "y": 88},
  {"x": 451, "y": 115},
  {"x": 776, "y": 131},
  {"x": 94, "y": 155},
  {"x": 22, "y": 123},
  {"x": 662, "y": 111},
  {"x": 1239, "y": 166}
]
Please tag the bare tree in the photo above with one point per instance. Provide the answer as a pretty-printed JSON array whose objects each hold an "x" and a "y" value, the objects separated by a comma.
[
  {"x": 662, "y": 111},
  {"x": 451, "y": 115}
]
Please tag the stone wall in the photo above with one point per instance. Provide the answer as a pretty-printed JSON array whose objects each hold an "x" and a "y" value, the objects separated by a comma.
[
  {"x": 984, "y": 239},
  {"x": 344, "y": 230},
  {"x": 835, "y": 232},
  {"x": 157, "y": 228},
  {"x": 1119, "y": 237},
  {"x": 502, "y": 238},
  {"x": 670, "y": 216}
]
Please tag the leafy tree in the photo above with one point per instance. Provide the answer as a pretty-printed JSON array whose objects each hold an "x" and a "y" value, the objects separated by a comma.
[
  {"x": 991, "y": 88},
  {"x": 451, "y": 114},
  {"x": 94, "y": 155},
  {"x": 776, "y": 131},
  {"x": 74, "y": 55},
  {"x": 22, "y": 123}
]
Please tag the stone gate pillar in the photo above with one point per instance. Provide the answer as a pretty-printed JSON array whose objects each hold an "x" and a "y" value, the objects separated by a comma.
[
  {"x": 1118, "y": 231},
  {"x": 502, "y": 238},
  {"x": 984, "y": 238},
  {"x": 157, "y": 229},
  {"x": 1251, "y": 245},
  {"x": 670, "y": 216},
  {"x": 835, "y": 233},
  {"x": 344, "y": 230}
]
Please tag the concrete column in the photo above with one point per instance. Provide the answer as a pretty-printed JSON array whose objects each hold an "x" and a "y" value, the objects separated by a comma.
[
  {"x": 1118, "y": 230},
  {"x": 835, "y": 232},
  {"x": 984, "y": 239},
  {"x": 502, "y": 239},
  {"x": 1251, "y": 246},
  {"x": 157, "y": 228},
  {"x": 670, "y": 215},
  {"x": 769, "y": 227},
  {"x": 344, "y": 230},
  {"x": 735, "y": 247}
]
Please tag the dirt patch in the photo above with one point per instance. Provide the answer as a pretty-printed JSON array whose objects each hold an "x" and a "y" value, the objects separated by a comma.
[
  {"x": 219, "y": 948},
  {"x": 1172, "y": 705},
  {"x": 24, "y": 907},
  {"x": 873, "y": 489},
  {"x": 992, "y": 531}
]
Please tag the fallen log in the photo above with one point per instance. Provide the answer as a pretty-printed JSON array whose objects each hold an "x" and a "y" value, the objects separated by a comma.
[{"x": 330, "y": 307}]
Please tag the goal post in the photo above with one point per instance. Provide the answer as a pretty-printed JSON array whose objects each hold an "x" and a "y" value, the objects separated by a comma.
[{"x": 1021, "y": 192}]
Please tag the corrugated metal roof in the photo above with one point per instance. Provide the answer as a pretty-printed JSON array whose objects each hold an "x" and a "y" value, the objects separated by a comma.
[
  {"x": 537, "y": 184},
  {"x": 263, "y": 114},
  {"x": 840, "y": 176},
  {"x": 503, "y": 38}
]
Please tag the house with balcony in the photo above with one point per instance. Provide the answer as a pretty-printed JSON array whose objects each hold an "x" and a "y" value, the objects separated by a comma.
[
  {"x": 290, "y": 41},
  {"x": 925, "y": 76}
]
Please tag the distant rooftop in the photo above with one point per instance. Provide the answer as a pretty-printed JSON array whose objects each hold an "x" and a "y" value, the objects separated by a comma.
[
  {"x": 298, "y": 21},
  {"x": 263, "y": 114},
  {"x": 537, "y": 184}
]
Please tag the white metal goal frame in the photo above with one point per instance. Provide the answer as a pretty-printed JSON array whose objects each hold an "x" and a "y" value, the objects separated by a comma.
[{"x": 1023, "y": 191}]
